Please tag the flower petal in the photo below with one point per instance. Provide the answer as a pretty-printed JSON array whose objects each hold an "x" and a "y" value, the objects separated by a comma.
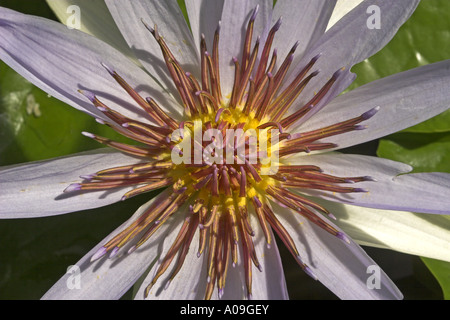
[
  {"x": 355, "y": 40},
  {"x": 36, "y": 189},
  {"x": 235, "y": 16},
  {"x": 172, "y": 26},
  {"x": 417, "y": 192},
  {"x": 419, "y": 234},
  {"x": 95, "y": 20},
  {"x": 303, "y": 21},
  {"x": 190, "y": 282},
  {"x": 405, "y": 99},
  {"x": 204, "y": 17},
  {"x": 107, "y": 279},
  {"x": 342, "y": 267},
  {"x": 62, "y": 61}
]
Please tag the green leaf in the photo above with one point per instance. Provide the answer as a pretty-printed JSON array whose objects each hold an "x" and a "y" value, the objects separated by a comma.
[
  {"x": 441, "y": 270},
  {"x": 440, "y": 123},
  {"x": 425, "y": 152}
]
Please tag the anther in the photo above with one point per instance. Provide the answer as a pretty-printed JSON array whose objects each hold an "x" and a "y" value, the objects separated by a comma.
[
  {"x": 73, "y": 187},
  {"x": 369, "y": 114},
  {"x": 99, "y": 253}
]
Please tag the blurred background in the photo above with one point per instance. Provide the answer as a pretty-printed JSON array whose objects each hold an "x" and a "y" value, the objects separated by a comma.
[{"x": 35, "y": 253}]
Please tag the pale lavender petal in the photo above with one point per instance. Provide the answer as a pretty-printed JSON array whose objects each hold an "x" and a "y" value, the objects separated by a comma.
[
  {"x": 95, "y": 20},
  {"x": 171, "y": 25},
  {"x": 235, "y": 17},
  {"x": 405, "y": 99},
  {"x": 390, "y": 188},
  {"x": 62, "y": 61},
  {"x": 109, "y": 279},
  {"x": 36, "y": 189},
  {"x": 204, "y": 17},
  {"x": 342, "y": 266},
  {"x": 350, "y": 41},
  {"x": 303, "y": 21}
]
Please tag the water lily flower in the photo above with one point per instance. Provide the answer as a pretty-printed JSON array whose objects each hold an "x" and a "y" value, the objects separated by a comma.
[{"x": 210, "y": 232}]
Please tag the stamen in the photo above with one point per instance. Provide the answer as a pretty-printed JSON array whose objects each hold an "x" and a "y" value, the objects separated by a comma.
[
  {"x": 140, "y": 101},
  {"x": 132, "y": 150},
  {"x": 248, "y": 39},
  {"x": 170, "y": 255},
  {"x": 262, "y": 220},
  {"x": 147, "y": 188},
  {"x": 314, "y": 101},
  {"x": 266, "y": 50},
  {"x": 246, "y": 75}
]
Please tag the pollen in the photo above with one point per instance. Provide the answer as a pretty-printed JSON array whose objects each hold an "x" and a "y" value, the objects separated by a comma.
[{"x": 232, "y": 159}]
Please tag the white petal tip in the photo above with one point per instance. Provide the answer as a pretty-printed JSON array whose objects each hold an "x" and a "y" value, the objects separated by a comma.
[
  {"x": 114, "y": 252},
  {"x": 88, "y": 134},
  {"x": 332, "y": 216},
  {"x": 131, "y": 250},
  {"x": 102, "y": 109},
  {"x": 108, "y": 68},
  {"x": 343, "y": 237},
  {"x": 309, "y": 272},
  {"x": 255, "y": 13},
  {"x": 88, "y": 94},
  {"x": 72, "y": 188},
  {"x": 369, "y": 114},
  {"x": 316, "y": 57},
  {"x": 100, "y": 253},
  {"x": 88, "y": 177}
]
